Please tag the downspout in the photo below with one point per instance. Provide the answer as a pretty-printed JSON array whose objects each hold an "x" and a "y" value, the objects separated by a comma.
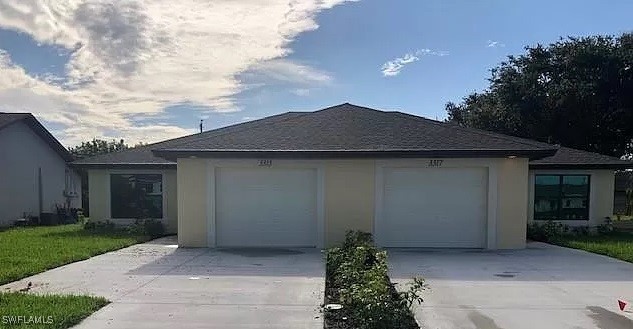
[{"x": 40, "y": 192}]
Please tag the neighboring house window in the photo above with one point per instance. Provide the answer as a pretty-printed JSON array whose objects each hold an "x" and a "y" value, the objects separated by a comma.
[
  {"x": 70, "y": 184},
  {"x": 136, "y": 196},
  {"x": 561, "y": 197}
]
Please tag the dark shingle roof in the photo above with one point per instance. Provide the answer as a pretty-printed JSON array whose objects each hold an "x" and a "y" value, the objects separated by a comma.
[
  {"x": 143, "y": 156},
  {"x": 7, "y": 119},
  {"x": 349, "y": 131},
  {"x": 571, "y": 158},
  {"x": 342, "y": 130}
]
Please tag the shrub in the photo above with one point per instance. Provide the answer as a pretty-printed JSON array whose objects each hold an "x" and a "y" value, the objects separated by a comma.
[
  {"x": 581, "y": 230},
  {"x": 100, "y": 226},
  {"x": 546, "y": 232},
  {"x": 151, "y": 228},
  {"x": 357, "y": 279}
]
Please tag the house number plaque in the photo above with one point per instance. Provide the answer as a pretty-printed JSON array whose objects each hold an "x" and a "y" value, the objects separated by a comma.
[
  {"x": 434, "y": 163},
  {"x": 265, "y": 163}
]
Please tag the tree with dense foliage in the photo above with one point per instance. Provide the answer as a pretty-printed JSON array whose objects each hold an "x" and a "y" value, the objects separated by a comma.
[
  {"x": 96, "y": 147},
  {"x": 577, "y": 92}
]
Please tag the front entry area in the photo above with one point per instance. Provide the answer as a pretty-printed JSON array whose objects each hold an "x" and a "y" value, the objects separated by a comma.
[
  {"x": 266, "y": 207},
  {"x": 433, "y": 208}
]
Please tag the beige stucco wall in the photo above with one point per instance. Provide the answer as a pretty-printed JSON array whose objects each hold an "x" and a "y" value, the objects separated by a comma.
[
  {"x": 601, "y": 191},
  {"x": 98, "y": 188},
  {"x": 193, "y": 196},
  {"x": 348, "y": 193},
  {"x": 512, "y": 192},
  {"x": 99, "y": 194}
]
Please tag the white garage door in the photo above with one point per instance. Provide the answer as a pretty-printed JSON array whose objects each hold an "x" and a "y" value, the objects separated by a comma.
[
  {"x": 266, "y": 207},
  {"x": 433, "y": 207}
]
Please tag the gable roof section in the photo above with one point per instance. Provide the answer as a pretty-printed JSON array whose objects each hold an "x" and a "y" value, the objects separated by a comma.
[
  {"x": 7, "y": 119},
  {"x": 142, "y": 156},
  {"x": 352, "y": 131},
  {"x": 568, "y": 158}
]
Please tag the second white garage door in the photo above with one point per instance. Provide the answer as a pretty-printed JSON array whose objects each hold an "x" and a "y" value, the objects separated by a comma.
[
  {"x": 433, "y": 207},
  {"x": 266, "y": 207}
]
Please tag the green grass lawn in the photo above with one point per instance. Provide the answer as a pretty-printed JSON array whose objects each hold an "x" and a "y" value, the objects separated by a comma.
[
  {"x": 20, "y": 310},
  {"x": 616, "y": 245},
  {"x": 30, "y": 250}
]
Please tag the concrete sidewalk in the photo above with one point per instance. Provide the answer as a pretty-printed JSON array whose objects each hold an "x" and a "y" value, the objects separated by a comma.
[
  {"x": 543, "y": 286},
  {"x": 157, "y": 285}
]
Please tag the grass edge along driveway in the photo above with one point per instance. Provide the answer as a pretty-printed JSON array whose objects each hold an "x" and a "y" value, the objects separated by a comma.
[
  {"x": 23, "y": 310},
  {"x": 30, "y": 250},
  {"x": 616, "y": 244}
]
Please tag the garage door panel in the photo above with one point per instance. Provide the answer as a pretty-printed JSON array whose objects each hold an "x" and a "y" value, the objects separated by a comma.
[
  {"x": 266, "y": 207},
  {"x": 428, "y": 207}
]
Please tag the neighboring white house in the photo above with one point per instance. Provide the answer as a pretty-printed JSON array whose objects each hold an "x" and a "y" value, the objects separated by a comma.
[
  {"x": 305, "y": 178},
  {"x": 34, "y": 174}
]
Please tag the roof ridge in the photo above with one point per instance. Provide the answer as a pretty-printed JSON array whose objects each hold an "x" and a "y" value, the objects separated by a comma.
[
  {"x": 350, "y": 104},
  {"x": 515, "y": 139},
  {"x": 240, "y": 125}
]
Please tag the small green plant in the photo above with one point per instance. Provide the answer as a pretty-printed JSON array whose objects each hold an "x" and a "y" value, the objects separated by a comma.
[
  {"x": 414, "y": 293},
  {"x": 81, "y": 219}
]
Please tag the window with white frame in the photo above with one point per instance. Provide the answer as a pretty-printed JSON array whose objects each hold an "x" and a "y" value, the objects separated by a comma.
[{"x": 136, "y": 196}]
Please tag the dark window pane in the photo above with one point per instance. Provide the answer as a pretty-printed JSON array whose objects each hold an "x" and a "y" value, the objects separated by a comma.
[
  {"x": 545, "y": 209},
  {"x": 547, "y": 186},
  {"x": 136, "y": 195},
  {"x": 575, "y": 197},
  {"x": 561, "y": 197},
  {"x": 575, "y": 185}
]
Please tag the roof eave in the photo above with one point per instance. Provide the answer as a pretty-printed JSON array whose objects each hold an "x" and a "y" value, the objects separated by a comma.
[
  {"x": 123, "y": 165},
  {"x": 573, "y": 166},
  {"x": 173, "y": 154}
]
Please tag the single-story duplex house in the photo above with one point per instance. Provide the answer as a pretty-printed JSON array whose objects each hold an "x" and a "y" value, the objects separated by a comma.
[
  {"x": 305, "y": 178},
  {"x": 35, "y": 176}
]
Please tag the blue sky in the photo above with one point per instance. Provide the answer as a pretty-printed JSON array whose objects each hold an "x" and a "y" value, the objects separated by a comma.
[{"x": 125, "y": 72}]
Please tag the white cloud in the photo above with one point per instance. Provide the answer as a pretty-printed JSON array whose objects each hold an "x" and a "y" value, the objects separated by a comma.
[
  {"x": 134, "y": 58},
  {"x": 286, "y": 71},
  {"x": 494, "y": 44},
  {"x": 301, "y": 91},
  {"x": 394, "y": 66}
]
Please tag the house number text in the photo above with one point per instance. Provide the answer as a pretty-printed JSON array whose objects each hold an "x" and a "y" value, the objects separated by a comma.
[
  {"x": 435, "y": 163},
  {"x": 265, "y": 163}
]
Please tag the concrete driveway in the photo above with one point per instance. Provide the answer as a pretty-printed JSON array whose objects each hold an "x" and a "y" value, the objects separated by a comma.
[
  {"x": 542, "y": 286},
  {"x": 156, "y": 285}
]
